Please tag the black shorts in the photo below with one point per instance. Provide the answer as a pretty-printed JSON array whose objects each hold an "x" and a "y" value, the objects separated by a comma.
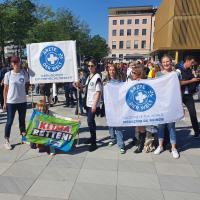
[{"x": 45, "y": 89}]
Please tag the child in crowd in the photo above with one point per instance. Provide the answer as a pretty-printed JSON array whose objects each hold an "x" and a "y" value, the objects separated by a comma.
[{"x": 42, "y": 107}]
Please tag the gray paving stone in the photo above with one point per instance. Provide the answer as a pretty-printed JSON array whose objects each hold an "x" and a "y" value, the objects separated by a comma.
[
  {"x": 14, "y": 185},
  {"x": 193, "y": 159},
  {"x": 4, "y": 167},
  {"x": 176, "y": 170},
  {"x": 103, "y": 154},
  {"x": 21, "y": 170},
  {"x": 173, "y": 195},
  {"x": 98, "y": 177},
  {"x": 131, "y": 193},
  {"x": 136, "y": 166},
  {"x": 53, "y": 189},
  {"x": 36, "y": 159},
  {"x": 10, "y": 196},
  {"x": 166, "y": 157},
  {"x": 130, "y": 155},
  {"x": 180, "y": 183},
  {"x": 197, "y": 169},
  {"x": 100, "y": 164},
  {"x": 59, "y": 174},
  {"x": 40, "y": 198},
  {"x": 86, "y": 191},
  {"x": 68, "y": 162},
  {"x": 138, "y": 180}
]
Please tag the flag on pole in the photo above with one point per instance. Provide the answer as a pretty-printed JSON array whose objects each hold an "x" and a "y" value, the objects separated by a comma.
[{"x": 52, "y": 62}]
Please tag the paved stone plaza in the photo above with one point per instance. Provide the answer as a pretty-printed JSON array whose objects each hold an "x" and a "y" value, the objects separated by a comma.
[{"x": 101, "y": 175}]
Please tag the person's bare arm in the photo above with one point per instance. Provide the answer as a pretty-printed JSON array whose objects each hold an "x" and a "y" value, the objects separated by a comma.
[
  {"x": 186, "y": 82},
  {"x": 5, "y": 94}
]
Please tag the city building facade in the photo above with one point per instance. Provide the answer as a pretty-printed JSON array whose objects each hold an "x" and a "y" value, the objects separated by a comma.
[
  {"x": 177, "y": 25},
  {"x": 130, "y": 32}
]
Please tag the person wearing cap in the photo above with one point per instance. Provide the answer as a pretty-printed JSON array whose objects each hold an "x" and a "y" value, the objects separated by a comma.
[{"x": 15, "y": 82}]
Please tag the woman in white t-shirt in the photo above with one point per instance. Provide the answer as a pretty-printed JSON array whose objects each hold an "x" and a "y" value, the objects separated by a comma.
[{"x": 15, "y": 98}]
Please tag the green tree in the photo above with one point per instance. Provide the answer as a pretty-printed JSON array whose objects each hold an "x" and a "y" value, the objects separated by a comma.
[{"x": 98, "y": 47}]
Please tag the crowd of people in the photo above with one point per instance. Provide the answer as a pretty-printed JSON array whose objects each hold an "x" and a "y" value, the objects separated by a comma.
[{"x": 86, "y": 96}]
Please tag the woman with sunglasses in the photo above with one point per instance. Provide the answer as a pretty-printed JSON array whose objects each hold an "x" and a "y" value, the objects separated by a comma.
[
  {"x": 93, "y": 94},
  {"x": 115, "y": 132},
  {"x": 167, "y": 68},
  {"x": 15, "y": 98},
  {"x": 136, "y": 75}
]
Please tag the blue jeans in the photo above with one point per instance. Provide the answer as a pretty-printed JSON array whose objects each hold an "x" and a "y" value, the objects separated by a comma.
[
  {"x": 119, "y": 136},
  {"x": 11, "y": 110},
  {"x": 171, "y": 129}
]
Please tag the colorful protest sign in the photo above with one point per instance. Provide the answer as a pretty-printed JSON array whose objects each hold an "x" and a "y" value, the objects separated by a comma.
[
  {"x": 52, "y": 62},
  {"x": 51, "y": 131},
  {"x": 144, "y": 102}
]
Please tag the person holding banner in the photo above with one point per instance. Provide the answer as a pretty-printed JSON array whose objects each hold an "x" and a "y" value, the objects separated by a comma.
[
  {"x": 167, "y": 68},
  {"x": 138, "y": 74},
  {"x": 93, "y": 94},
  {"x": 15, "y": 82},
  {"x": 113, "y": 77}
]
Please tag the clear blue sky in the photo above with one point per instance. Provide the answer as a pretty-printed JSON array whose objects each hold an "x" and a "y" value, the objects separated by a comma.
[{"x": 95, "y": 12}]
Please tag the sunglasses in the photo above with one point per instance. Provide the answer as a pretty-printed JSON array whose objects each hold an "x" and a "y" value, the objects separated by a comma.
[{"x": 90, "y": 65}]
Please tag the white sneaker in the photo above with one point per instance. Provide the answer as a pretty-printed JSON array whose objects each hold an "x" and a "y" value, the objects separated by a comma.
[
  {"x": 175, "y": 154},
  {"x": 111, "y": 144},
  {"x": 158, "y": 150},
  {"x": 7, "y": 145}
]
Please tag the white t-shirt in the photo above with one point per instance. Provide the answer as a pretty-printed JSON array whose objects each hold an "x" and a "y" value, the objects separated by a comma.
[
  {"x": 16, "y": 86},
  {"x": 93, "y": 87}
]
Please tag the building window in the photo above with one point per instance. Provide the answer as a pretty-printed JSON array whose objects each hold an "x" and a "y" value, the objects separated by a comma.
[
  {"x": 114, "y": 44},
  {"x": 114, "y": 32},
  {"x": 113, "y": 55},
  {"x": 128, "y": 32},
  {"x": 121, "y": 32},
  {"x": 128, "y": 44},
  {"x": 121, "y": 22},
  {"x": 144, "y": 21},
  {"x": 136, "y": 32},
  {"x": 129, "y": 21},
  {"x": 121, "y": 44},
  {"x": 121, "y": 56},
  {"x": 136, "y": 44},
  {"x": 143, "y": 46},
  {"x": 137, "y": 21},
  {"x": 114, "y": 22},
  {"x": 144, "y": 31}
]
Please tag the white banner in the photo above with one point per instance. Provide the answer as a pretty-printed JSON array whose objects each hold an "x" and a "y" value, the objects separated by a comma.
[
  {"x": 144, "y": 102},
  {"x": 52, "y": 62}
]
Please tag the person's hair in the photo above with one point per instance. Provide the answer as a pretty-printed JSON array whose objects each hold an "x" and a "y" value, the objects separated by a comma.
[
  {"x": 189, "y": 57},
  {"x": 166, "y": 56},
  {"x": 92, "y": 60},
  {"x": 139, "y": 68},
  {"x": 116, "y": 72},
  {"x": 41, "y": 103},
  {"x": 132, "y": 63}
]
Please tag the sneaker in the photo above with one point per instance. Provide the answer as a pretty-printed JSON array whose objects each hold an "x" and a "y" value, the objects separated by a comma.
[
  {"x": 111, "y": 144},
  {"x": 52, "y": 154},
  {"x": 158, "y": 150},
  {"x": 7, "y": 145},
  {"x": 175, "y": 153},
  {"x": 122, "y": 151}
]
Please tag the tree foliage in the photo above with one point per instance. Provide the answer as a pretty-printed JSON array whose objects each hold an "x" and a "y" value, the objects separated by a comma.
[{"x": 22, "y": 22}]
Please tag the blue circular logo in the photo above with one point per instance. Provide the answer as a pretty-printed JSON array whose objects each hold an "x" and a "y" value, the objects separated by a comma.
[
  {"x": 140, "y": 97},
  {"x": 21, "y": 80},
  {"x": 52, "y": 58}
]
